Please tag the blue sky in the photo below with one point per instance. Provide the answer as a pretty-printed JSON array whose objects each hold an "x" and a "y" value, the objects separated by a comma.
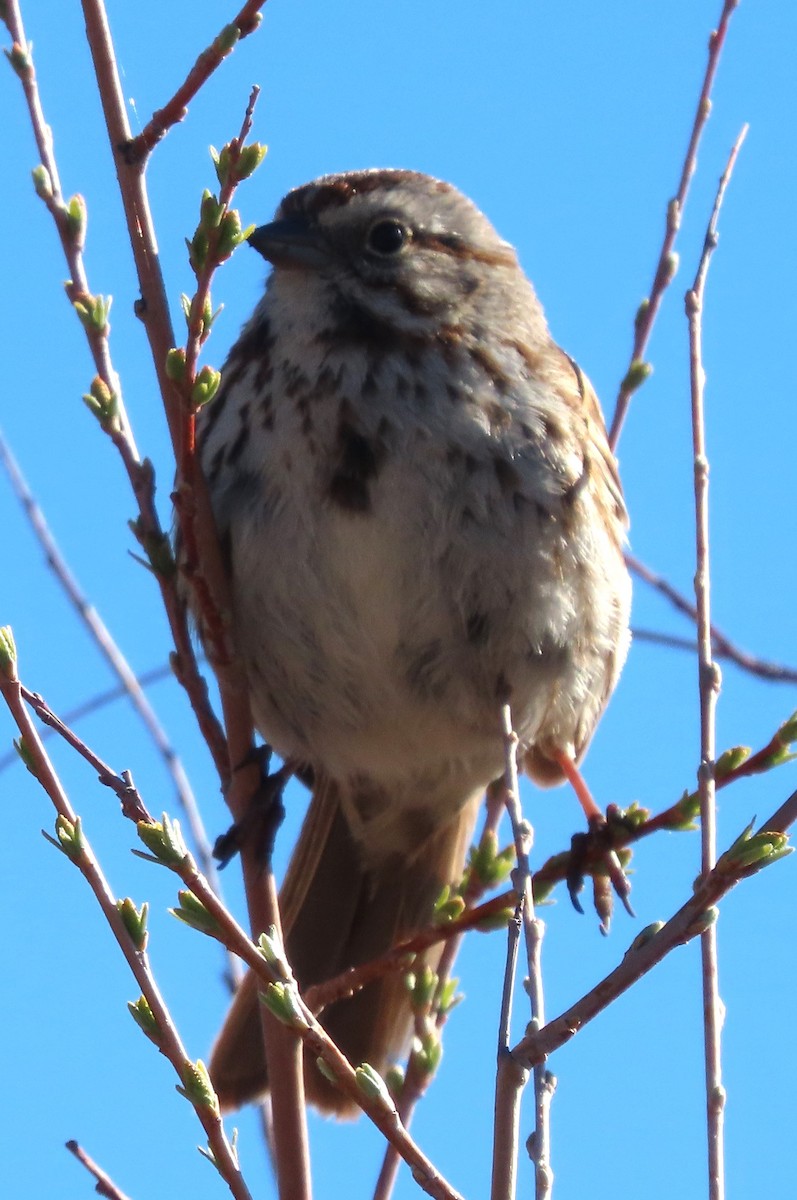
[{"x": 567, "y": 124}]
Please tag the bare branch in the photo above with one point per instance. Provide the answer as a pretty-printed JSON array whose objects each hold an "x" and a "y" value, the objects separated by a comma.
[
  {"x": 69, "y": 218},
  {"x": 511, "y": 1077},
  {"x": 364, "y": 1089},
  {"x": 709, "y": 686},
  {"x": 102, "y": 638},
  {"x": 105, "y": 396},
  {"x": 638, "y": 369},
  {"x": 723, "y": 647},
  {"x": 99, "y": 701},
  {"x": 771, "y": 671}
]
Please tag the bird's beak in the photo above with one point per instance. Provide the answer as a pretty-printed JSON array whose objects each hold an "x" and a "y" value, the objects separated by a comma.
[{"x": 291, "y": 242}]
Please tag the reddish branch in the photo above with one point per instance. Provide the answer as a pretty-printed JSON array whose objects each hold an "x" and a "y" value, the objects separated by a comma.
[
  {"x": 176, "y": 109},
  {"x": 189, "y": 475},
  {"x": 303, "y": 1024},
  {"x": 78, "y": 851}
]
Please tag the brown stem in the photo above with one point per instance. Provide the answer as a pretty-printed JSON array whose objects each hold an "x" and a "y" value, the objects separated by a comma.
[
  {"x": 229, "y": 932},
  {"x": 511, "y": 1076},
  {"x": 77, "y": 286},
  {"x": 377, "y": 1106},
  {"x": 148, "y": 528}
]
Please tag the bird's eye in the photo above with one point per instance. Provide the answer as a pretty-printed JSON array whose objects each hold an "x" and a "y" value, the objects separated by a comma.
[{"x": 387, "y": 237}]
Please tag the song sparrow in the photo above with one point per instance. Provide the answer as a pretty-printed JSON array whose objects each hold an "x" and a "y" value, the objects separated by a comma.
[{"x": 423, "y": 518}]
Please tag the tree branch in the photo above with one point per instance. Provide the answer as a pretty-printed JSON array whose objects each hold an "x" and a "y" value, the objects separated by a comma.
[
  {"x": 638, "y": 369},
  {"x": 105, "y": 1186},
  {"x": 103, "y": 640},
  {"x": 748, "y": 854},
  {"x": 176, "y": 109},
  {"x": 709, "y": 686},
  {"x": 154, "y": 1017},
  {"x": 164, "y": 842}
]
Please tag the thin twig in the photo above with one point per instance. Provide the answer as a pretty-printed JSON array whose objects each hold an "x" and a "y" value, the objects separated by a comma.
[
  {"x": 511, "y": 1076},
  {"x": 176, "y": 109},
  {"x": 709, "y": 686},
  {"x": 105, "y": 1185},
  {"x": 93, "y": 704},
  {"x": 722, "y": 645},
  {"x": 370, "y": 1097},
  {"x": 282, "y": 1046},
  {"x": 373, "y": 1101},
  {"x": 771, "y": 671},
  {"x": 121, "y": 785},
  {"x": 80, "y": 853},
  {"x": 197, "y": 529},
  {"x": 668, "y": 263},
  {"x": 655, "y": 943},
  {"x": 72, "y": 236}
]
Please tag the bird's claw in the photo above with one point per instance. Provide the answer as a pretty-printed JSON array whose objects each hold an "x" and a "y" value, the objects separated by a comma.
[
  {"x": 593, "y": 854},
  {"x": 263, "y": 815}
]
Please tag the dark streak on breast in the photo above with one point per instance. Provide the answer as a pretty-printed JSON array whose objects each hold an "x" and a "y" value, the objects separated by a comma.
[
  {"x": 477, "y": 628},
  {"x": 358, "y": 462},
  {"x": 252, "y": 348}
]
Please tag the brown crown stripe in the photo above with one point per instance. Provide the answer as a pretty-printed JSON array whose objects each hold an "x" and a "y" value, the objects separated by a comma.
[{"x": 336, "y": 190}]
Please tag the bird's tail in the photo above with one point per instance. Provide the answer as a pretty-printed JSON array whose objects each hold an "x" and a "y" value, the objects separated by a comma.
[{"x": 336, "y": 914}]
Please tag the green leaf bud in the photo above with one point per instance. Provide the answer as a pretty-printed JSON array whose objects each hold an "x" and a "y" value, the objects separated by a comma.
[
  {"x": 175, "y": 364},
  {"x": 197, "y": 1086},
  {"x": 8, "y": 653},
  {"x": 205, "y": 386},
  {"x": 135, "y": 921},
  {"x": 372, "y": 1085},
  {"x": 192, "y": 912},
  {"x": 165, "y": 841},
  {"x": 144, "y": 1017}
]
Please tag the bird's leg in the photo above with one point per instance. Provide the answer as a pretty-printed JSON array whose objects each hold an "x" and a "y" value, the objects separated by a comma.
[{"x": 596, "y": 844}]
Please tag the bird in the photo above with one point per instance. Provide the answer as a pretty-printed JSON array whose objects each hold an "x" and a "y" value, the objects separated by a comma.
[{"x": 422, "y": 520}]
